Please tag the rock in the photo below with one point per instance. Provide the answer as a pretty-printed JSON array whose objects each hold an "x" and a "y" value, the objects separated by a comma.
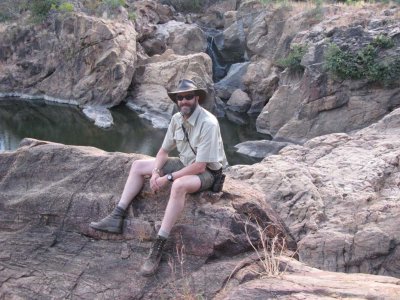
[
  {"x": 302, "y": 282},
  {"x": 239, "y": 101},
  {"x": 149, "y": 13},
  {"x": 75, "y": 59},
  {"x": 49, "y": 251},
  {"x": 338, "y": 194},
  {"x": 261, "y": 80},
  {"x": 317, "y": 103},
  {"x": 232, "y": 81},
  {"x": 153, "y": 101},
  {"x": 100, "y": 115},
  {"x": 183, "y": 38},
  {"x": 260, "y": 149}
]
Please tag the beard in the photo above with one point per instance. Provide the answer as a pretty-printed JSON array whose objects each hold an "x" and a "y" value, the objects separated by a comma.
[{"x": 187, "y": 109}]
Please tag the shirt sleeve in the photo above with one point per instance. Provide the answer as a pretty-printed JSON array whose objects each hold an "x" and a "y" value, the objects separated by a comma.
[
  {"x": 169, "y": 142},
  {"x": 207, "y": 149}
]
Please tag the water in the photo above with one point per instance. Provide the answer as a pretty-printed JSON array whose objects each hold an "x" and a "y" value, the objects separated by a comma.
[{"x": 67, "y": 125}]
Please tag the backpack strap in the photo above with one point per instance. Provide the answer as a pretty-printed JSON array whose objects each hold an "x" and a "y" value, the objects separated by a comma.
[{"x": 187, "y": 138}]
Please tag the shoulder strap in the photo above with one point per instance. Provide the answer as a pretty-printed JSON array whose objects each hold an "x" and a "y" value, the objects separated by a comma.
[{"x": 187, "y": 138}]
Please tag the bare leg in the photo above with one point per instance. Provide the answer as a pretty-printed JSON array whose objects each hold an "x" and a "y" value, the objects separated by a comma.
[
  {"x": 180, "y": 187},
  {"x": 135, "y": 180}
]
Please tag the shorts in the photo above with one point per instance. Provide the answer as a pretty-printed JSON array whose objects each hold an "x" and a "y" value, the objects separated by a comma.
[{"x": 174, "y": 164}]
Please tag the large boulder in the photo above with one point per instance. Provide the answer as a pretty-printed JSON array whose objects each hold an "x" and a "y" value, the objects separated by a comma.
[
  {"x": 232, "y": 81},
  {"x": 338, "y": 194},
  {"x": 75, "y": 59},
  {"x": 183, "y": 38},
  {"x": 51, "y": 192}
]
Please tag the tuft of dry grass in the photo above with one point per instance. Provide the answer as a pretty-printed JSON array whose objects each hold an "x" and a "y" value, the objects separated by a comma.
[
  {"x": 268, "y": 250},
  {"x": 181, "y": 283}
]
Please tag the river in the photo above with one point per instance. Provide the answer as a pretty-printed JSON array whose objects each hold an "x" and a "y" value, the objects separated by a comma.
[{"x": 67, "y": 124}]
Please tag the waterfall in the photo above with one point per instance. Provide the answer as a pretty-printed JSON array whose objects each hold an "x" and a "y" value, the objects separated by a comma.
[{"x": 219, "y": 66}]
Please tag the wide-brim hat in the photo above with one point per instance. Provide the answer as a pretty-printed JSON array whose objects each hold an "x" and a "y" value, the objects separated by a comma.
[{"x": 187, "y": 85}]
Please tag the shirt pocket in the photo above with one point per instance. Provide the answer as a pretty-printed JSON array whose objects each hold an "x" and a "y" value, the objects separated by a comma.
[{"x": 179, "y": 138}]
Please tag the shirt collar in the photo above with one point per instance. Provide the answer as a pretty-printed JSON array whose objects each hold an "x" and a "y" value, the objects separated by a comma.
[{"x": 193, "y": 118}]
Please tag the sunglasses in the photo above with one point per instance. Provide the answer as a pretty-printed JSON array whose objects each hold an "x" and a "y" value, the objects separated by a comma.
[{"x": 187, "y": 97}]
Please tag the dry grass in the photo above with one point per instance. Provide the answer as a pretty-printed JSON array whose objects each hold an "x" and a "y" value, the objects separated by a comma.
[
  {"x": 268, "y": 250},
  {"x": 181, "y": 283},
  {"x": 338, "y": 14}
]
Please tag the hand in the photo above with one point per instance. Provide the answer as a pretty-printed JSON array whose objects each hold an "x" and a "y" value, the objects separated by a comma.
[
  {"x": 153, "y": 182},
  {"x": 161, "y": 181}
]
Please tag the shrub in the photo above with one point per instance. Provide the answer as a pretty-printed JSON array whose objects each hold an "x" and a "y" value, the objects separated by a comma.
[
  {"x": 41, "y": 8},
  {"x": 66, "y": 7},
  {"x": 365, "y": 63},
  {"x": 293, "y": 60},
  {"x": 383, "y": 41}
]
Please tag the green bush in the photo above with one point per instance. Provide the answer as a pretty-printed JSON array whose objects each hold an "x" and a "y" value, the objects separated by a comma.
[
  {"x": 66, "y": 7},
  {"x": 383, "y": 41},
  {"x": 293, "y": 60},
  {"x": 365, "y": 63},
  {"x": 41, "y": 8}
]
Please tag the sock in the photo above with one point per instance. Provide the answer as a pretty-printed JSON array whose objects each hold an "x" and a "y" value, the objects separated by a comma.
[
  {"x": 120, "y": 211},
  {"x": 163, "y": 233},
  {"x": 121, "y": 207}
]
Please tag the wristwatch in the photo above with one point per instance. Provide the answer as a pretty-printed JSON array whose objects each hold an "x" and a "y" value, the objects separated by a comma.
[{"x": 170, "y": 177}]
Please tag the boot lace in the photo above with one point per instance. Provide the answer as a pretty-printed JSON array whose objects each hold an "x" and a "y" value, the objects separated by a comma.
[{"x": 157, "y": 248}]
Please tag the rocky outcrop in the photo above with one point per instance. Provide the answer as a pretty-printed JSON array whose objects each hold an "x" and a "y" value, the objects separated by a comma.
[
  {"x": 319, "y": 103},
  {"x": 48, "y": 250},
  {"x": 296, "y": 107},
  {"x": 75, "y": 59},
  {"x": 183, "y": 38},
  {"x": 50, "y": 193},
  {"x": 338, "y": 194}
]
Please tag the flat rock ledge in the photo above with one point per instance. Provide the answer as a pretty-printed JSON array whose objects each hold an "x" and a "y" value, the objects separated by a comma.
[{"x": 50, "y": 192}]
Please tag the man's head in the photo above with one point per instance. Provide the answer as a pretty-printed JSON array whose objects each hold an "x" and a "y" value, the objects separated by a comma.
[{"x": 187, "y": 96}]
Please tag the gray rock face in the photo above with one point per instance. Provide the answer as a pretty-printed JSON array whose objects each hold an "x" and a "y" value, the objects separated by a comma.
[
  {"x": 183, "y": 38},
  {"x": 260, "y": 149},
  {"x": 48, "y": 250},
  {"x": 77, "y": 59},
  {"x": 232, "y": 81},
  {"x": 317, "y": 102},
  {"x": 50, "y": 193},
  {"x": 339, "y": 195},
  {"x": 239, "y": 101}
]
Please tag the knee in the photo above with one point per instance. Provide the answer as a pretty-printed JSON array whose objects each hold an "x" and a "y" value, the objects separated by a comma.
[
  {"x": 136, "y": 166},
  {"x": 179, "y": 187}
]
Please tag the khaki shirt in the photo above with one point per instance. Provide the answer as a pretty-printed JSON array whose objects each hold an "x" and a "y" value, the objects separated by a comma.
[{"x": 204, "y": 137}]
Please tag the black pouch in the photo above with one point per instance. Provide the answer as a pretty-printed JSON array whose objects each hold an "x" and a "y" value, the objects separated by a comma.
[{"x": 219, "y": 179}]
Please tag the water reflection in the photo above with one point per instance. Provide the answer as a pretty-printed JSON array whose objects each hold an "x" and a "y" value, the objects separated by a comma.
[{"x": 66, "y": 124}]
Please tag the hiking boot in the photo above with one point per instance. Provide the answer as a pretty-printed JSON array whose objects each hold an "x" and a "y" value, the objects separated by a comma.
[
  {"x": 112, "y": 223},
  {"x": 151, "y": 263}
]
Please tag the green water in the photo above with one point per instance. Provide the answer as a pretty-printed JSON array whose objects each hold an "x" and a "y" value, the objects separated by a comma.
[{"x": 68, "y": 125}]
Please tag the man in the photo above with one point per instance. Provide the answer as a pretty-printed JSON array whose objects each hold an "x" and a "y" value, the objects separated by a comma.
[{"x": 196, "y": 134}]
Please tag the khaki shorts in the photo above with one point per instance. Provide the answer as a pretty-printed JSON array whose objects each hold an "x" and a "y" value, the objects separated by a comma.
[{"x": 174, "y": 164}]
